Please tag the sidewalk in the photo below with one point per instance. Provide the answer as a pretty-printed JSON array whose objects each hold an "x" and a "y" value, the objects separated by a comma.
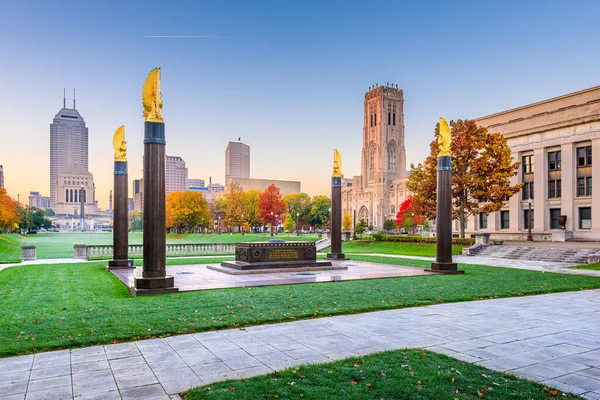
[{"x": 553, "y": 339}]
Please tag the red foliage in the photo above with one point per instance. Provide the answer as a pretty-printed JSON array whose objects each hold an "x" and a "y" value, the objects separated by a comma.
[{"x": 271, "y": 207}]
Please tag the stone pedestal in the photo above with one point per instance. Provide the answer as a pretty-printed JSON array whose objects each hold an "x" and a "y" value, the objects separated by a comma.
[
  {"x": 482, "y": 238},
  {"x": 154, "y": 279},
  {"x": 120, "y": 228},
  {"x": 443, "y": 263},
  {"x": 562, "y": 235},
  {"x": 28, "y": 253},
  {"x": 336, "y": 220}
]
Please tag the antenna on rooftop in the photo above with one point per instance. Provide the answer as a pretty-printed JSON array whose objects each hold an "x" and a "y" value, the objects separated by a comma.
[{"x": 74, "y": 99}]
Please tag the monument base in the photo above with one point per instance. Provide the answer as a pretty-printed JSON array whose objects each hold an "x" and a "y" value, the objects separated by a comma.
[
  {"x": 336, "y": 256},
  {"x": 115, "y": 264},
  {"x": 444, "y": 268},
  {"x": 152, "y": 286},
  {"x": 266, "y": 265},
  {"x": 234, "y": 271}
]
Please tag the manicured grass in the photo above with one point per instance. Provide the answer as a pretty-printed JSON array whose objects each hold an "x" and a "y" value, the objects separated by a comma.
[
  {"x": 408, "y": 249},
  {"x": 10, "y": 248},
  {"x": 593, "y": 267},
  {"x": 60, "y": 245},
  {"x": 400, "y": 374},
  {"x": 72, "y": 305}
]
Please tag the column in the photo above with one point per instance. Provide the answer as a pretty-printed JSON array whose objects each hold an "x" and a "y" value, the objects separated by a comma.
[
  {"x": 596, "y": 188},
  {"x": 336, "y": 220},
  {"x": 514, "y": 203},
  {"x": 120, "y": 227},
  {"x": 540, "y": 190},
  {"x": 568, "y": 182}
]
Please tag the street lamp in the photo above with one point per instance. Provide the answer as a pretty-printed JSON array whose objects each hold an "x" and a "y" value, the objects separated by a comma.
[
  {"x": 277, "y": 224},
  {"x": 202, "y": 226},
  {"x": 271, "y": 223},
  {"x": 412, "y": 222},
  {"x": 529, "y": 237},
  {"x": 242, "y": 227},
  {"x": 219, "y": 224},
  {"x": 354, "y": 223},
  {"x": 297, "y": 218}
]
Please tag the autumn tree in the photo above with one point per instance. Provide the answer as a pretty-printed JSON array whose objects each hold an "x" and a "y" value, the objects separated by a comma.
[
  {"x": 186, "y": 210},
  {"x": 271, "y": 207},
  {"x": 9, "y": 219},
  {"x": 289, "y": 223},
  {"x": 347, "y": 222},
  {"x": 252, "y": 218},
  {"x": 136, "y": 220},
  {"x": 236, "y": 203},
  {"x": 409, "y": 215},
  {"x": 217, "y": 211},
  {"x": 482, "y": 166},
  {"x": 319, "y": 212}
]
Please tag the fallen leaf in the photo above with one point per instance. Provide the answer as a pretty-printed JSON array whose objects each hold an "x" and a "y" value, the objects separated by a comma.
[{"x": 353, "y": 382}]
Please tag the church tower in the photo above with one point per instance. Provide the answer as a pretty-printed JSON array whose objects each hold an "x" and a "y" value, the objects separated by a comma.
[{"x": 383, "y": 153}]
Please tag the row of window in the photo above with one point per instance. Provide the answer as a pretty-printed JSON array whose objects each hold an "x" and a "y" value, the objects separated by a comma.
[
  {"x": 585, "y": 219},
  {"x": 71, "y": 196},
  {"x": 391, "y": 119}
]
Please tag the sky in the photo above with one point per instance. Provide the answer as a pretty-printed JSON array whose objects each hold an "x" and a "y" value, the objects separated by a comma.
[{"x": 288, "y": 77}]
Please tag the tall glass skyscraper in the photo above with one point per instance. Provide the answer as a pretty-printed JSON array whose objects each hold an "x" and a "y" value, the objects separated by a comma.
[{"x": 68, "y": 144}]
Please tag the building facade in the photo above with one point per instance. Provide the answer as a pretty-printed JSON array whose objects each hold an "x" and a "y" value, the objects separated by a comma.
[
  {"x": 376, "y": 194},
  {"x": 138, "y": 194},
  {"x": 237, "y": 161},
  {"x": 176, "y": 175},
  {"x": 195, "y": 183},
  {"x": 68, "y": 145},
  {"x": 557, "y": 142},
  {"x": 74, "y": 182},
  {"x": 285, "y": 187},
  {"x": 38, "y": 201}
]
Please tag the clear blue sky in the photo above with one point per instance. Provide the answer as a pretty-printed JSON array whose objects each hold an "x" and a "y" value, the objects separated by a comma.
[{"x": 287, "y": 76}]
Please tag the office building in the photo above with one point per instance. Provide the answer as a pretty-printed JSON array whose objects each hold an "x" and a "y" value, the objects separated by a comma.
[
  {"x": 176, "y": 175},
  {"x": 237, "y": 160}
]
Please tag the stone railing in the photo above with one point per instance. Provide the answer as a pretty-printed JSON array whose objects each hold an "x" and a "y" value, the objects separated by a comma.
[
  {"x": 323, "y": 244},
  {"x": 106, "y": 251}
]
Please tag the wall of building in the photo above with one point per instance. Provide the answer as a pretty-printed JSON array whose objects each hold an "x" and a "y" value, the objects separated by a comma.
[{"x": 285, "y": 187}]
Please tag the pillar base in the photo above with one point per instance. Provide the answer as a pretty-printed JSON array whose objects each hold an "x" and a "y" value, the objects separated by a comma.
[
  {"x": 444, "y": 268},
  {"x": 152, "y": 286},
  {"x": 336, "y": 256},
  {"x": 118, "y": 264}
]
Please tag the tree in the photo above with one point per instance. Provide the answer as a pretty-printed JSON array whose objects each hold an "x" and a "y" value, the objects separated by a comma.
[
  {"x": 217, "y": 211},
  {"x": 482, "y": 166},
  {"x": 186, "y": 210},
  {"x": 136, "y": 220},
  {"x": 389, "y": 225},
  {"x": 319, "y": 212},
  {"x": 360, "y": 228},
  {"x": 271, "y": 207},
  {"x": 252, "y": 218},
  {"x": 408, "y": 216},
  {"x": 236, "y": 203},
  {"x": 347, "y": 222},
  {"x": 289, "y": 223},
  {"x": 39, "y": 219},
  {"x": 9, "y": 219},
  {"x": 25, "y": 219},
  {"x": 299, "y": 206}
]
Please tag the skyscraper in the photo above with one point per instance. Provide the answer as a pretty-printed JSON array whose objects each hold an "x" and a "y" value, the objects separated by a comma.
[
  {"x": 237, "y": 160},
  {"x": 68, "y": 144},
  {"x": 1, "y": 177},
  {"x": 176, "y": 175}
]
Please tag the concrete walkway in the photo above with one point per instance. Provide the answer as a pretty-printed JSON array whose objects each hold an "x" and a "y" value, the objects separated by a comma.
[{"x": 553, "y": 339}]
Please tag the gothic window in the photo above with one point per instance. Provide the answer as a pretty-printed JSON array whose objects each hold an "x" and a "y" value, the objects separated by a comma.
[
  {"x": 371, "y": 120},
  {"x": 392, "y": 209},
  {"x": 389, "y": 118},
  {"x": 375, "y": 119},
  {"x": 394, "y": 119},
  {"x": 391, "y": 157},
  {"x": 66, "y": 195},
  {"x": 76, "y": 197},
  {"x": 372, "y": 153},
  {"x": 71, "y": 196}
]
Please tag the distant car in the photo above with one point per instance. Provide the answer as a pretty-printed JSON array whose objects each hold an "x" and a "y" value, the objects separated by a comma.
[{"x": 32, "y": 232}]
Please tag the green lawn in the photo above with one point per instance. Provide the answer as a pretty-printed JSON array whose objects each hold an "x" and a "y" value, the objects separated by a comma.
[
  {"x": 593, "y": 267},
  {"x": 60, "y": 245},
  {"x": 399, "y": 248},
  {"x": 400, "y": 374},
  {"x": 10, "y": 248},
  {"x": 73, "y": 305}
]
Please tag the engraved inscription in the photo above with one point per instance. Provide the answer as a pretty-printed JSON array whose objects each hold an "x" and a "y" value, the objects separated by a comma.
[{"x": 283, "y": 254}]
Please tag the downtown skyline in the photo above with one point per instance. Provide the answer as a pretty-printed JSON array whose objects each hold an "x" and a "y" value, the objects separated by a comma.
[{"x": 288, "y": 79}]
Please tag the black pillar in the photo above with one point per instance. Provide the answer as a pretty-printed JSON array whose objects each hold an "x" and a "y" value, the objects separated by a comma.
[
  {"x": 120, "y": 227},
  {"x": 336, "y": 220},
  {"x": 154, "y": 279},
  {"x": 82, "y": 213},
  {"x": 443, "y": 263}
]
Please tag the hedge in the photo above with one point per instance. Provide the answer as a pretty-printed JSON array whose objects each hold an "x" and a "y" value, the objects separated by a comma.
[{"x": 380, "y": 237}]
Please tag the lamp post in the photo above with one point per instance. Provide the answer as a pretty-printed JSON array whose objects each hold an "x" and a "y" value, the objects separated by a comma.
[
  {"x": 529, "y": 237},
  {"x": 242, "y": 227},
  {"x": 219, "y": 224},
  {"x": 354, "y": 223},
  {"x": 229, "y": 226},
  {"x": 412, "y": 223},
  {"x": 329, "y": 220},
  {"x": 277, "y": 224},
  {"x": 297, "y": 218},
  {"x": 202, "y": 226},
  {"x": 271, "y": 223}
]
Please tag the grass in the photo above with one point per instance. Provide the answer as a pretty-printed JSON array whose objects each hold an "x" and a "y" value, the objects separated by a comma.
[
  {"x": 60, "y": 245},
  {"x": 593, "y": 267},
  {"x": 10, "y": 248},
  {"x": 398, "y": 248},
  {"x": 74, "y": 305},
  {"x": 400, "y": 374}
]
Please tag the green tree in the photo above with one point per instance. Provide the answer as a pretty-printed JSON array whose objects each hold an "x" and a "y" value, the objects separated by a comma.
[
  {"x": 39, "y": 219},
  {"x": 319, "y": 212},
  {"x": 389, "y": 225},
  {"x": 25, "y": 219},
  {"x": 299, "y": 206},
  {"x": 482, "y": 166},
  {"x": 136, "y": 220},
  {"x": 360, "y": 228},
  {"x": 252, "y": 218}
]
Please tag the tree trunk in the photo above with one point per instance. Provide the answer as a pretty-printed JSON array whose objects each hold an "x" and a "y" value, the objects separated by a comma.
[{"x": 462, "y": 215}]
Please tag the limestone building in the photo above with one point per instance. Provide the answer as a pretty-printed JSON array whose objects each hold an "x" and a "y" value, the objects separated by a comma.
[
  {"x": 285, "y": 187},
  {"x": 378, "y": 191},
  {"x": 36, "y": 200},
  {"x": 138, "y": 194},
  {"x": 237, "y": 161},
  {"x": 68, "y": 144},
  {"x": 556, "y": 141},
  {"x": 176, "y": 175},
  {"x": 75, "y": 181}
]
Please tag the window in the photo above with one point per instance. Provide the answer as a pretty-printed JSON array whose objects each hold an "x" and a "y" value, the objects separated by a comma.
[
  {"x": 504, "y": 219},
  {"x": 528, "y": 164},
  {"x": 483, "y": 221},
  {"x": 71, "y": 195},
  {"x": 371, "y": 120},
  {"x": 584, "y": 156},
  {"x": 394, "y": 119},
  {"x": 66, "y": 195},
  {"x": 389, "y": 118},
  {"x": 76, "y": 196},
  {"x": 372, "y": 163},
  {"x": 554, "y": 214},
  {"x": 393, "y": 210},
  {"x": 375, "y": 119},
  {"x": 554, "y": 160},
  {"x": 526, "y": 219},
  {"x": 585, "y": 218},
  {"x": 554, "y": 189},
  {"x": 391, "y": 157},
  {"x": 528, "y": 191},
  {"x": 584, "y": 186}
]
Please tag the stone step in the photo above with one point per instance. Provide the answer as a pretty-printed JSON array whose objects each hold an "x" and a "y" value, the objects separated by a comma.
[{"x": 574, "y": 256}]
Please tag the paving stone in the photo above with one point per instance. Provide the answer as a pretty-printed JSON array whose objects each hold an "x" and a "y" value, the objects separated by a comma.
[
  {"x": 150, "y": 392},
  {"x": 230, "y": 354},
  {"x": 193, "y": 352},
  {"x": 50, "y": 372},
  {"x": 59, "y": 393},
  {"x": 113, "y": 395},
  {"x": 182, "y": 384},
  {"x": 129, "y": 381},
  {"x": 12, "y": 377},
  {"x": 174, "y": 374},
  {"x": 162, "y": 365},
  {"x": 209, "y": 369},
  {"x": 13, "y": 397},
  {"x": 242, "y": 362},
  {"x": 93, "y": 382},
  {"x": 89, "y": 367},
  {"x": 123, "y": 353},
  {"x": 126, "y": 363},
  {"x": 87, "y": 351},
  {"x": 16, "y": 364},
  {"x": 140, "y": 369},
  {"x": 13, "y": 388},
  {"x": 49, "y": 383},
  {"x": 584, "y": 382}
]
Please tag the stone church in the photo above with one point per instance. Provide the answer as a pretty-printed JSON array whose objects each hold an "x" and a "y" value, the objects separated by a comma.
[{"x": 378, "y": 192}]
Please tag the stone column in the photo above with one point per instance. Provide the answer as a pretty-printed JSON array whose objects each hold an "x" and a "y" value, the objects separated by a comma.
[
  {"x": 154, "y": 279},
  {"x": 82, "y": 214},
  {"x": 120, "y": 220},
  {"x": 336, "y": 220},
  {"x": 569, "y": 185},
  {"x": 541, "y": 213},
  {"x": 443, "y": 262}
]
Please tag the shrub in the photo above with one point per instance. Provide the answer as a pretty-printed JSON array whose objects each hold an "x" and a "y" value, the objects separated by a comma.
[{"x": 420, "y": 239}]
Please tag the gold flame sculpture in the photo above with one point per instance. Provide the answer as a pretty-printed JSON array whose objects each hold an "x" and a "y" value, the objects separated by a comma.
[
  {"x": 337, "y": 164},
  {"x": 444, "y": 139},
  {"x": 152, "y": 97},
  {"x": 120, "y": 145}
]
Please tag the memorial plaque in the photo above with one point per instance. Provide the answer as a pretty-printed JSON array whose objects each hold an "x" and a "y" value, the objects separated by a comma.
[{"x": 266, "y": 255}]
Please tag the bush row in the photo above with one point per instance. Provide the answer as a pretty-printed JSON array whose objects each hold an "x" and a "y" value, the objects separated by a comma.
[{"x": 380, "y": 237}]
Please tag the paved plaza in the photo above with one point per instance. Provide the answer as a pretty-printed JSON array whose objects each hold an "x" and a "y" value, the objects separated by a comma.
[{"x": 553, "y": 339}]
